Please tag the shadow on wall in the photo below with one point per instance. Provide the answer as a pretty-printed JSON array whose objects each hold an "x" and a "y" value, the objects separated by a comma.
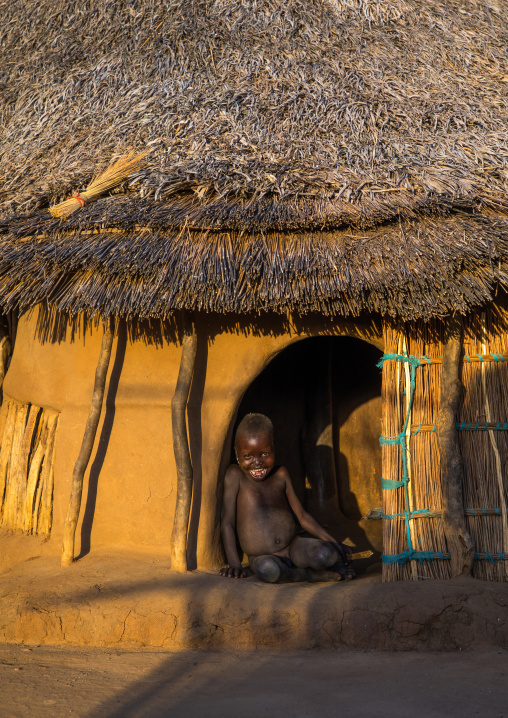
[{"x": 56, "y": 327}]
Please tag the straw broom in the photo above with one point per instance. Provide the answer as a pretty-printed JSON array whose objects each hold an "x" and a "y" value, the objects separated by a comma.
[{"x": 112, "y": 177}]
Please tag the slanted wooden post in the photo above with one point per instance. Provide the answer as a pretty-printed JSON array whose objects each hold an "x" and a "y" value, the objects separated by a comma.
[
  {"x": 181, "y": 449},
  {"x": 459, "y": 541},
  {"x": 87, "y": 445}
]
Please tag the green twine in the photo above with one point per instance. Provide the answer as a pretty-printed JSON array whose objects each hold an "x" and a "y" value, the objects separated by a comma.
[
  {"x": 421, "y": 556},
  {"x": 389, "y": 484},
  {"x": 485, "y": 556}
]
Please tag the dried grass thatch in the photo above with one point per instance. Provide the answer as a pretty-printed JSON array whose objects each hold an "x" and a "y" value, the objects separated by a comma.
[
  {"x": 411, "y": 270},
  {"x": 330, "y": 155},
  {"x": 324, "y": 98}
]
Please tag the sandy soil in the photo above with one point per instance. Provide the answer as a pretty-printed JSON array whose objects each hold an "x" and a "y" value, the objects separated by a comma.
[
  {"x": 50, "y": 682},
  {"x": 136, "y": 612}
]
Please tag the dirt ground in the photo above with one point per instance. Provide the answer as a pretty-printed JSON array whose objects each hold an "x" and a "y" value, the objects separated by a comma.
[
  {"x": 50, "y": 682},
  {"x": 120, "y": 635}
]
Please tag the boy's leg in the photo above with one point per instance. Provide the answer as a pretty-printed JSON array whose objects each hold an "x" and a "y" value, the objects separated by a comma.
[
  {"x": 320, "y": 556},
  {"x": 312, "y": 553},
  {"x": 272, "y": 569}
]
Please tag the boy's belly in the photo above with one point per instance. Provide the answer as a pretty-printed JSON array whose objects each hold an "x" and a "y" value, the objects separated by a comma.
[{"x": 266, "y": 532}]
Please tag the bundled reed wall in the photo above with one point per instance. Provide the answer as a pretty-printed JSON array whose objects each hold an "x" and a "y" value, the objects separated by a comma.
[
  {"x": 406, "y": 509},
  {"x": 413, "y": 535},
  {"x": 483, "y": 437},
  {"x": 27, "y": 456}
]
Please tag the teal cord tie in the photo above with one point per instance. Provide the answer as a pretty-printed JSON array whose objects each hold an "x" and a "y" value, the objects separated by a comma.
[
  {"x": 412, "y": 360},
  {"x": 485, "y": 556},
  {"x": 421, "y": 556},
  {"x": 468, "y": 359},
  {"x": 389, "y": 484},
  {"x": 378, "y": 514},
  {"x": 468, "y": 426},
  {"x": 480, "y": 358},
  {"x": 411, "y": 514},
  {"x": 400, "y": 439}
]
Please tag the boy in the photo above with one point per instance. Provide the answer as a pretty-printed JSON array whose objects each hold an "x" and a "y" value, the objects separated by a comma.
[{"x": 256, "y": 498}]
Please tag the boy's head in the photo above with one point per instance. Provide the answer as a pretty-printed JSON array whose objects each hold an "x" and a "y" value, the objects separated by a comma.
[
  {"x": 254, "y": 424},
  {"x": 254, "y": 446}
]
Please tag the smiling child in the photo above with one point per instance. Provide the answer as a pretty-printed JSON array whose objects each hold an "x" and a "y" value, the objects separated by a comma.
[{"x": 257, "y": 500}]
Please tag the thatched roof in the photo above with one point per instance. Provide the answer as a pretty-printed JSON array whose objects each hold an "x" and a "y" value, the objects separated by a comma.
[{"x": 331, "y": 155}]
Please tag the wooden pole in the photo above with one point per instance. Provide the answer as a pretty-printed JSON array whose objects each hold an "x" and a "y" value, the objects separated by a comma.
[
  {"x": 459, "y": 541},
  {"x": 181, "y": 449},
  {"x": 87, "y": 445}
]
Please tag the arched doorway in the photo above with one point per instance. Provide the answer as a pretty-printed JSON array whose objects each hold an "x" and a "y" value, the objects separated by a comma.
[{"x": 323, "y": 395}]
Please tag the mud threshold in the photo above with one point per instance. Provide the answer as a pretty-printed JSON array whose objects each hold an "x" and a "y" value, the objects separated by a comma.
[{"x": 134, "y": 600}]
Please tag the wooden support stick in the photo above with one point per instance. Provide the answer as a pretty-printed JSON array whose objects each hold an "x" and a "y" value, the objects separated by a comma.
[
  {"x": 34, "y": 472},
  {"x": 459, "y": 541},
  {"x": 15, "y": 477},
  {"x": 5, "y": 352},
  {"x": 87, "y": 445},
  {"x": 46, "y": 503},
  {"x": 24, "y": 464},
  {"x": 181, "y": 449},
  {"x": 361, "y": 554},
  {"x": 5, "y": 450}
]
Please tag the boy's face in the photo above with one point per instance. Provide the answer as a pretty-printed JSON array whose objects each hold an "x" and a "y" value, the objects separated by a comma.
[{"x": 255, "y": 455}]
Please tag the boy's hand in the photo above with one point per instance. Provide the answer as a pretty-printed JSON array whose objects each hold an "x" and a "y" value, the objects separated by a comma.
[
  {"x": 235, "y": 572},
  {"x": 345, "y": 553}
]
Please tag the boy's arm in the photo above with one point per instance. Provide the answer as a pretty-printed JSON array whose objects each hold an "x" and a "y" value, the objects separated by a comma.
[
  {"x": 307, "y": 522},
  {"x": 228, "y": 523}
]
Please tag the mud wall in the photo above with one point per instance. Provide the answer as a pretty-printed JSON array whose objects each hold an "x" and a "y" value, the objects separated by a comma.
[{"x": 129, "y": 496}]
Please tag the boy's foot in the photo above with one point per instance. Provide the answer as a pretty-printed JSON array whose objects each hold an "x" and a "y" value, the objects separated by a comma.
[
  {"x": 343, "y": 571},
  {"x": 333, "y": 573},
  {"x": 229, "y": 572}
]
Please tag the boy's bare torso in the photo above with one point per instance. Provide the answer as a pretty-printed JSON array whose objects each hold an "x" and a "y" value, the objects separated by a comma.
[
  {"x": 260, "y": 506},
  {"x": 265, "y": 524}
]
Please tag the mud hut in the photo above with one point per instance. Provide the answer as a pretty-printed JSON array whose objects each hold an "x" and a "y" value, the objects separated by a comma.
[{"x": 333, "y": 171}]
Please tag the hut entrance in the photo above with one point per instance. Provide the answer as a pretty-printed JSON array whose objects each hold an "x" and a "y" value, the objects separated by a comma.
[{"x": 323, "y": 395}]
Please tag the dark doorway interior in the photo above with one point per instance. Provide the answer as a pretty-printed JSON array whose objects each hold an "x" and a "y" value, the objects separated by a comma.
[{"x": 324, "y": 397}]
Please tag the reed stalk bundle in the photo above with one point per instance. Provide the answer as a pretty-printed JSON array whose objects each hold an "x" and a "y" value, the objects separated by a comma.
[
  {"x": 115, "y": 174},
  {"x": 27, "y": 456},
  {"x": 424, "y": 489},
  {"x": 485, "y": 453}
]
